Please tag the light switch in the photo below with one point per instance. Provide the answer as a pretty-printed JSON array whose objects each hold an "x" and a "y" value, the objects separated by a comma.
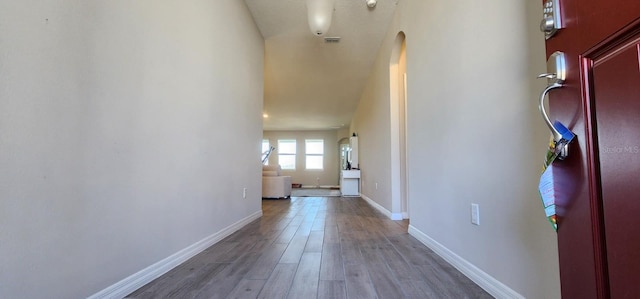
[{"x": 475, "y": 214}]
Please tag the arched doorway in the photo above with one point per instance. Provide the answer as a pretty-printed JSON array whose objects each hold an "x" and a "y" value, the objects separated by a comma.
[{"x": 398, "y": 106}]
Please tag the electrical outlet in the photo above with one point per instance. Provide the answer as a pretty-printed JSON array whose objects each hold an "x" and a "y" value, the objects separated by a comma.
[
  {"x": 475, "y": 214},
  {"x": 244, "y": 192}
]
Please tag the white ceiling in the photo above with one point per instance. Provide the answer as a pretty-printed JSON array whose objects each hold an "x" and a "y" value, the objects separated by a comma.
[{"x": 310, "y": 84}]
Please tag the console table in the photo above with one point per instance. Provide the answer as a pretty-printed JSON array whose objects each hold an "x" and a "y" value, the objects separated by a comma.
[{"x": 350, "y": 182}]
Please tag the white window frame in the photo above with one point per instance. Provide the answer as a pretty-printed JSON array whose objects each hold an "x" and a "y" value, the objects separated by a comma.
[
  {"x": 314, "y": 154},
  {"x": 282, "y": 152}
]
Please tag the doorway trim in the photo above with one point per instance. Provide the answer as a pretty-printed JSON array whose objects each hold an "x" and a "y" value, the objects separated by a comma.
[{"x": 398, "y": 126}]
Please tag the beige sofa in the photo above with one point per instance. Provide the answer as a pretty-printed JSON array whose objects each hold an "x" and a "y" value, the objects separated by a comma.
[{"x": 275, "y": 185}]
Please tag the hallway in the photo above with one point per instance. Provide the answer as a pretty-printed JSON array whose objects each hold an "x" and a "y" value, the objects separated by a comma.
[{"x": 316, "y": 247}]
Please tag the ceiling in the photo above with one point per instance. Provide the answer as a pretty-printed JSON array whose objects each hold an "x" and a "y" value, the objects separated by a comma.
[{"x": 311, "y": 84}]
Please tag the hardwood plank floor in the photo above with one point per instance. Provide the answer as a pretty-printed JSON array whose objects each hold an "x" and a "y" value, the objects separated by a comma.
[{"x": 315, "y": 247}]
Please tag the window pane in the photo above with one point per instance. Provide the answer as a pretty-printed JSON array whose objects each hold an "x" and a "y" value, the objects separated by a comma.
[
  {"x": 314, "y": 162},
  {"x": 315, "y": 147},
  {"x": 286, "y": 147},
  {"x": 287, "y": 161}
]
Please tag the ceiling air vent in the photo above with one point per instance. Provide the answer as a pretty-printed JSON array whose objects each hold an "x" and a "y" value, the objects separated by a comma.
[{"x": 331, "y": 40}]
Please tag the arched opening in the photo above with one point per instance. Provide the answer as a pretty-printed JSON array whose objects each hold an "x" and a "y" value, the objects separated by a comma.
[
  {"x": 343, "y": 153},
  {"x": 398, "y": 109}
]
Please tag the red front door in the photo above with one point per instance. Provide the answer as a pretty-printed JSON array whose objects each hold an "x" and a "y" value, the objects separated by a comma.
[{"x": 599, "y": 183}]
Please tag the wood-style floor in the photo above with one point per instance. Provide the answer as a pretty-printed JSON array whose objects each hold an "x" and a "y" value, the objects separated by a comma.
[{"x": 316, "y": 247}]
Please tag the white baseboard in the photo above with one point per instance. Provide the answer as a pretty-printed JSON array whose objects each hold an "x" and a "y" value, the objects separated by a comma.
[
  {"x": 396, "y": 216},
  {"x": 321, "y": 186},
  {"x": 405, "y": 215},
  {"x": 392, "y": 216},
  {"x": 144, "y": 276},
  {"x": 484, "y": 280}
]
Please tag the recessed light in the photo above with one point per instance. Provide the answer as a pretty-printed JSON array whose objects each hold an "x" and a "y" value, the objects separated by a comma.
[{"x": 265, "y": 115}]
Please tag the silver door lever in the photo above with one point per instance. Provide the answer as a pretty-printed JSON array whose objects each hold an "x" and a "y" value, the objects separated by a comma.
[
  {"x": 548, "y": 76},
  {"x": 557, "y": 136},
  {"x": 555, "y": 75}
]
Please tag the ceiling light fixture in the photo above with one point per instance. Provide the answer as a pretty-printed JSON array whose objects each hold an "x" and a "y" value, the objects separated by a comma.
[
  {"x": 332, "y": 40},
  {"x": 265, "y": 115},
  {"x": 319, "y": 13},
  {"x": 371, "y": 3}
]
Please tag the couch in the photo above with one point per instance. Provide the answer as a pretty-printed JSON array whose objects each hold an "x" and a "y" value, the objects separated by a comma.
[{"x": 274, "y": 184}]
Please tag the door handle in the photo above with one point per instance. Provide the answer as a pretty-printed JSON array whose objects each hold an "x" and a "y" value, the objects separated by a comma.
[
  {"x": 557, "y": 136},
  {"x": 555, "y": 75},
  {"x": 561, "y": 135}
]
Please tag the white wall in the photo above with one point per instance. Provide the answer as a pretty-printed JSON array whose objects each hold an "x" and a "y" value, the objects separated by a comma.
[
  {"x": 115, "y": 147},
  {"x": 343, "y": 133},
  {"x": 474, "y": 135},
  {"x": 329, "y": 176}
]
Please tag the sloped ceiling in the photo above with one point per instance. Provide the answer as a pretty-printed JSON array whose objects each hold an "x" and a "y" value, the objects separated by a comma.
[{"x": 311, "y": 84}]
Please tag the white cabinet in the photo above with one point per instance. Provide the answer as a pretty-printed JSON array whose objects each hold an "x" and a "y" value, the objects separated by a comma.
[{"x": 350, "y": 182}]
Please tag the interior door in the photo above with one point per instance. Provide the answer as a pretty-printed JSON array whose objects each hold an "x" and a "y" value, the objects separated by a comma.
[{"x": 598, "y": 184}]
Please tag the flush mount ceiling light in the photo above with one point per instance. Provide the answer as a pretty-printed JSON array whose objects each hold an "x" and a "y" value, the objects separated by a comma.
[
  {"x": 371, "y": 3},
  {"x": 332, "y": 40},
  {"x": 319, "y": 13}
]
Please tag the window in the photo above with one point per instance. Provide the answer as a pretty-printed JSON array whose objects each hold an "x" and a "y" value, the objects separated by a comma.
[
  {"x": 287, "y": 154},
  {"x": 314, "y": 148},
  {"x": 265, "y": 149}
]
